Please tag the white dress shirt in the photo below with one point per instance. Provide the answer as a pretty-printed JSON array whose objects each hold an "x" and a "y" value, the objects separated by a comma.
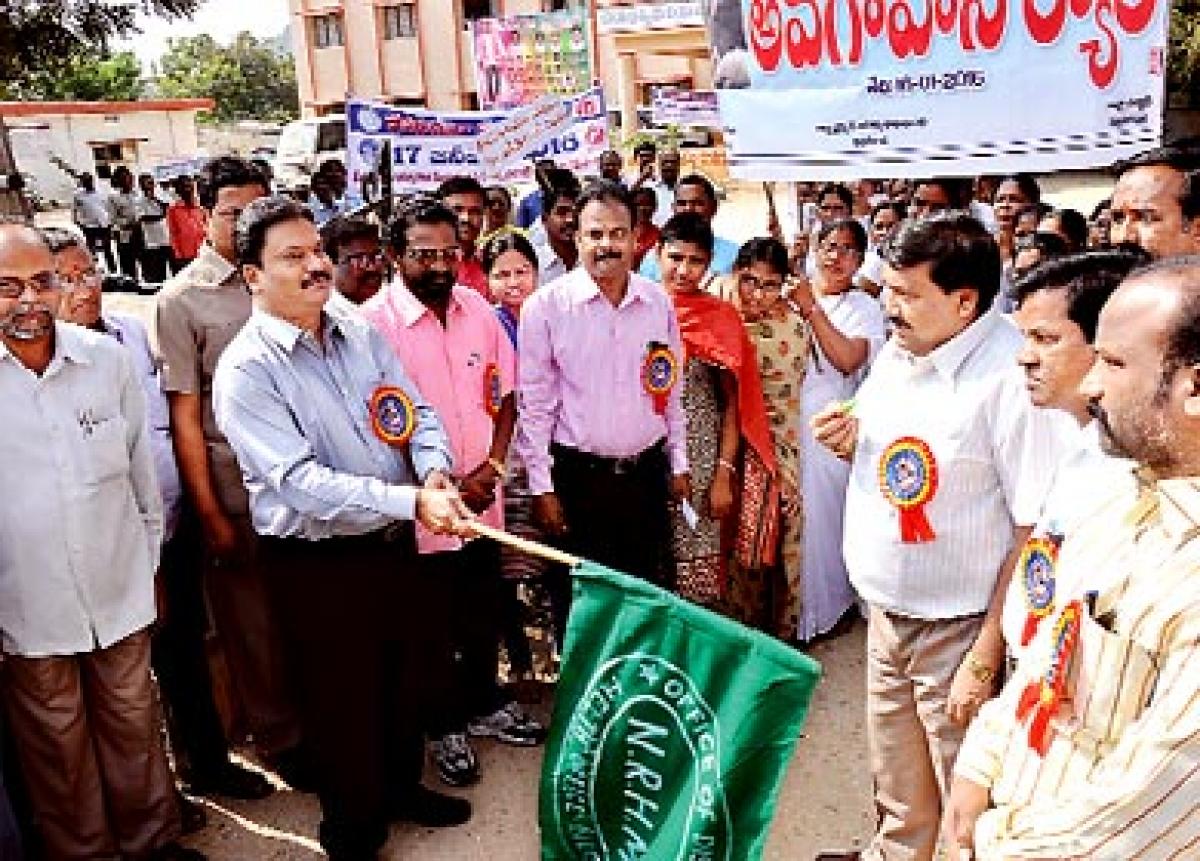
[
  {"x": 995, "y": 456},
  {"x": 90, "y": 209},
  {"x": 130, "y": 332},
  {"x": 1085, "y": 481},
  {"x": 80, "y": 515}
]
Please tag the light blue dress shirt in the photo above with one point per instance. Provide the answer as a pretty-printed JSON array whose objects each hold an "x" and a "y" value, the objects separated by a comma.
[
  {"x": 725, "y": 253},
  {"x": 298, "y": 418}
]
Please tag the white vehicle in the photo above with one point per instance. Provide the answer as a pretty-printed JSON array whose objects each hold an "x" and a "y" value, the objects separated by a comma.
[{"x": 304, "y": 144}]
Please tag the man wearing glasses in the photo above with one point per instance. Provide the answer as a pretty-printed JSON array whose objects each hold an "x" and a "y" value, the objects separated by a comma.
[
  {"x": 359, "y": 263},
  {"x": 82, "y": 522},
  {"x": 453, "y": 346},
  {"x": 198, "y": 313}
]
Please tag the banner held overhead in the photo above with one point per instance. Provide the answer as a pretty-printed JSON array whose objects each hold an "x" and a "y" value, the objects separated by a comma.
[{"x": 911, "y": 88}]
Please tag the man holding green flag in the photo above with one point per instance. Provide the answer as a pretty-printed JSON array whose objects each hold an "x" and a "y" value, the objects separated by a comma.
[{"x": 672, "y": 729}]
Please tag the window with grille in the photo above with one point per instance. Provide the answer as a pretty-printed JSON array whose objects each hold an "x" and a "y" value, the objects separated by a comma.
[
  {"x": 327, "y": 31},
  {"x": 400, "y": 22}
]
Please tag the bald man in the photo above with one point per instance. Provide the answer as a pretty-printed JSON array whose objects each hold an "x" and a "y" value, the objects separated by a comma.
[{"x": 77, "y": 590}]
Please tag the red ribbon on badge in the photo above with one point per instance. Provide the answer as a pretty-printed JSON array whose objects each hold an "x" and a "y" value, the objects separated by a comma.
[
  {"x": 1044, "y": 696},
  {"x": 659, "y": 373},
  {"x": 908, "y": 478},
  {"x": 393, "y": 415},
  {"x": 491, "y": 389}
]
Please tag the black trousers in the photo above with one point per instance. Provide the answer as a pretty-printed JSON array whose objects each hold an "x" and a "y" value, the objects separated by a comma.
[
  {"x": 617, "y": 514},
  {"x": 127, "y": 257},
  {"x": 99, "y": 240},
  {"x": 353, "y": 616},
  {"x": 154, "y": 264},
  {"x": 470, "y": 604},
  {"x": 180, "y": 659}
]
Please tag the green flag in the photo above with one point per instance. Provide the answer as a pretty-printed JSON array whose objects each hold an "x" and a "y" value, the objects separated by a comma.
[{"x": 672, "y": 728}]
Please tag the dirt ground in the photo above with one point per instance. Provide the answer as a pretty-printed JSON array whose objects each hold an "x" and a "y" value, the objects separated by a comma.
[{"x": 825, "y": 802}]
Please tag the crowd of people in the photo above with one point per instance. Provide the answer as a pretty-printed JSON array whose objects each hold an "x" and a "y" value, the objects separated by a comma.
[{"x": 943, "y": 405}]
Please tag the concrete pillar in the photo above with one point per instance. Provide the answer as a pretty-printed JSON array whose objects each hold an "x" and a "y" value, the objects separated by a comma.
[{"x": 627, "y": 74}]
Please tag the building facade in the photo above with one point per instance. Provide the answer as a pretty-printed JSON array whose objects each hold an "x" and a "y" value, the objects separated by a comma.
[
  {"x": 418, "y": 52},
  {"x": 53, "y": 142}
]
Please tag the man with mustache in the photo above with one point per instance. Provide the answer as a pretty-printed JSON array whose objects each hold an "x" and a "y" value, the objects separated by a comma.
[
  {"x": 197, "y": 314},
  {"x": 604, "y": 433},
  {"x": 82, "y": 521},
  {"x": 1101, "y": 761},
  {"x": 451, "y": 343},
  {"x": 465, "y": 197},
  {"x": 932, "y": 560},
  {"x": 553, "y": 236},
  {"x": 340, "y": 454},
  {"x": 1156, "y": 201},
  {"x": 359, "y": 263}
]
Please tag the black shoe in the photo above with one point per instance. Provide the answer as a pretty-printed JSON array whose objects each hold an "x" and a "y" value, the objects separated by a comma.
[
  {"x": 191, "y": 814},
  {"x": 174, "y": 852},
  {"x": 231, "y": 781},
  {"x": 295, "y": 769},
  {"x": 433, "y": 809}
]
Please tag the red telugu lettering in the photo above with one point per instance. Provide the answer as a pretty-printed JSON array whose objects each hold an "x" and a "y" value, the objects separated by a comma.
[{"x": 766, "y": 33}]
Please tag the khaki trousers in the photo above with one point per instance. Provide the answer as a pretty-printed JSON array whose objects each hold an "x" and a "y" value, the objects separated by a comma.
[
  {"x": 912, "y": 743},
  {"x": 88, "y": 734}
]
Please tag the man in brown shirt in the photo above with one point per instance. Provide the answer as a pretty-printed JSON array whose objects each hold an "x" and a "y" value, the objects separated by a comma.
[{"x": 198, "y": 313}]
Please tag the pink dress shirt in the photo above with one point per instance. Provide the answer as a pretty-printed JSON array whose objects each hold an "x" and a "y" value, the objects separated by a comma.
[
  {"x": 448, "y": 365},
  {"x": 581, "y": 366}
]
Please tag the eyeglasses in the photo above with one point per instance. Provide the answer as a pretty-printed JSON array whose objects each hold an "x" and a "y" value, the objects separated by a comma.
[
  {"x": 753, "y": 282},
  {"x": 14, "y": 288},
  {"x": 832, "y": 248},
  {"x": 91, "y": 280},
  {"x": 363, "y": 259},
  {"x": 429, "y": 256}
]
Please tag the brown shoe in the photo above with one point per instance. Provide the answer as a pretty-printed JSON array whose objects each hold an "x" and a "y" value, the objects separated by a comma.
[{"x": 839, "y": 856}]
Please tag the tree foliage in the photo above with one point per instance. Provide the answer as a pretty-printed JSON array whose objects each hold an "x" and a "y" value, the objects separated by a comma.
[
  {"x": 117, "y": 77},
  {"x": 1183, "y": 59},
  {"x": 39, "y": 36},
  {"x": 248, "y": 79}
]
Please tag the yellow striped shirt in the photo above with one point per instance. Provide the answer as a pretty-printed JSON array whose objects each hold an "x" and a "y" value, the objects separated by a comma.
[{"x": 1121, "y": 776}]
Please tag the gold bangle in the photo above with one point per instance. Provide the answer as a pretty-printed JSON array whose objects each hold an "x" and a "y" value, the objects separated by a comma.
[
  {"x": 496, "y": 464},
  {"x": 977, "y": 668}
]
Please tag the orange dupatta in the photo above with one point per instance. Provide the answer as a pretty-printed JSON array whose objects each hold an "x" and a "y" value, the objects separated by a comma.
[{"x": 712, "y": 331}]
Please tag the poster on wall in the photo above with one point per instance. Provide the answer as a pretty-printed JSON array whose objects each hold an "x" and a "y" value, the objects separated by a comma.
[
  {"x": 428, "y": 147},
  {"x": 910, "y": 88},
  {"x": 524, "y": 57}
]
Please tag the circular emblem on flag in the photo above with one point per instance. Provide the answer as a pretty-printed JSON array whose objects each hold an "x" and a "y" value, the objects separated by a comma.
[
  {"x": 393, "y": 416},
  {"x": 659, "y": 373},
  {"x": 908, "y": 478},
  {"x": 491, "y": 389},
  {"x": 638, "y": 763}
]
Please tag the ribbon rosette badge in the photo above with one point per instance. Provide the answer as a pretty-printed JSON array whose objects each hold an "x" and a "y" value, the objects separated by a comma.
[
  {"x": 393, "y": 416},
  {"x": 1043, "y": 697},
  {"x": 908, "y": 478},
  {"x": 1036, "y": 567},
  {"x": 491, "y": 389},
  {"x": 659, "y": 373}
]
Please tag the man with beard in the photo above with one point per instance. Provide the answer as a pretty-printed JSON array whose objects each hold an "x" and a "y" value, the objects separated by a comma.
[
  {"x": 554, "y": 243},
  {"x": 82, "y": 522},
  {"x": 945, "y": 399},
  {"x": 197, "y": 314},
  {"x": 1093, "y": 748},
  {"x": 466, "y": 198},
  {"x": 340, "y": 454},
  {"x": 605, "y": 436},
  {"x": 451, "y": 343},
  {"x": 1156, "y": 202},
  {"x": 359, "y": 263}
]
